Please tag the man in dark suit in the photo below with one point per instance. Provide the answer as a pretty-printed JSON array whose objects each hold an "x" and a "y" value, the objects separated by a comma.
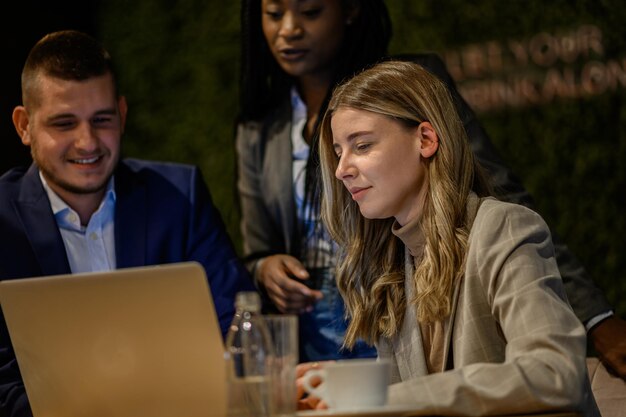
[{"x": 79, "y": 208}]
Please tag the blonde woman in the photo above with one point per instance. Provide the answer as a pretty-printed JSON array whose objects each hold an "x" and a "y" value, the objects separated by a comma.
[{"x": 460, "y": 290}]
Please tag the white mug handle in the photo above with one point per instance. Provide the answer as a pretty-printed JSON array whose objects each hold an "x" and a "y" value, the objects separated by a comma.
[{"x": 320, "y": 390}]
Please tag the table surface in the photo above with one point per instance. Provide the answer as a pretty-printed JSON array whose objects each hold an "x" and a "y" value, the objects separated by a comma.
[{"x": 401, "y": 411}]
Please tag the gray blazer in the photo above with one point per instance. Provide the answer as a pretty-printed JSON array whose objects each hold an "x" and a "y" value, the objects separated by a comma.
[
  {"x": 512, "y": 343},
  {"x": 267, "y": 201},
  {"x": 265, "y": 186}
]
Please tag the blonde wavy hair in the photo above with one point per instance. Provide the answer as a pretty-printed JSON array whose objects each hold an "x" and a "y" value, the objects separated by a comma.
[{"x": 370, "y": 273}]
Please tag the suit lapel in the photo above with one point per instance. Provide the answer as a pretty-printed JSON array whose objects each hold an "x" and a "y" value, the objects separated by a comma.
[
  {"x": 473, "y": 203},
  {"x": 407, "y": 346},
  {"x": 33, "y": 208},
  {"x": 279, "y": 176},
  {"x": 130, "y": 219}
]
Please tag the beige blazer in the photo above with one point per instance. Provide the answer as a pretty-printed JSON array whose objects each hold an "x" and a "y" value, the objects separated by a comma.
[{"x": 512, "y": 344}]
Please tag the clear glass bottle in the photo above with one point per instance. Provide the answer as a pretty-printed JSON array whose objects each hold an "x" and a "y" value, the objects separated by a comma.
[{"x": 248, "y": 354}]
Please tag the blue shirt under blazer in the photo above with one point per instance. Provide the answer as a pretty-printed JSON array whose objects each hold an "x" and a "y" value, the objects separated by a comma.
[{"x": 163, "y": 214}]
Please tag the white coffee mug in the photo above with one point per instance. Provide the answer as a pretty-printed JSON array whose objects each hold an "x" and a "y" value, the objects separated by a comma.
[{"x": 350, "y": 384}]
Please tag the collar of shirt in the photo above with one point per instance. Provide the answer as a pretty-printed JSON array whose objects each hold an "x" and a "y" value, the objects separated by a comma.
[
  {"x": 300, "y": 149},
  {"x": 67, "y": 218},
  {"x": 319, "y": 249},
  {"x": 92, "y": 247}
]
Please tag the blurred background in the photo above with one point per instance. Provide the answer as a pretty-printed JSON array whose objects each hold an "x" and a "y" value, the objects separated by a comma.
[{"x": 547, "y": 79}]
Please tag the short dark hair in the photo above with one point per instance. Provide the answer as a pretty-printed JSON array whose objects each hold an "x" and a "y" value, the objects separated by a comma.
[{"x": 67, "y": 55}]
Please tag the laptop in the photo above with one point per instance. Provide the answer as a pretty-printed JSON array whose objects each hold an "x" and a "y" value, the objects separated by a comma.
[{"x": 125, "y": 343}]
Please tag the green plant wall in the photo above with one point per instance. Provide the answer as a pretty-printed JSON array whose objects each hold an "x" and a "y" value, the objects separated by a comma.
[{"x": 178, "y": 66}]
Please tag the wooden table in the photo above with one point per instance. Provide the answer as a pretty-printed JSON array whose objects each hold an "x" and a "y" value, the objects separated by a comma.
[{"x": 404, "y": 412}]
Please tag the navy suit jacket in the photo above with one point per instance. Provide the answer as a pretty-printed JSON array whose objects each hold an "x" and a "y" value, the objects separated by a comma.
[{"x": 163, "y": 214}]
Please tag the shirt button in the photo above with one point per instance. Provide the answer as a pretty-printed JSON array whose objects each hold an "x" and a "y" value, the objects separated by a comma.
[
  {"x": 93, "y": 236},
  {"x": 72, "y": 217}
]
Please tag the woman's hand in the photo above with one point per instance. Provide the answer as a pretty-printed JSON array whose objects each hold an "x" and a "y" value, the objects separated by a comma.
[
  {"x": 276, "y": 273},
  {"x": 308, "y": 402}
]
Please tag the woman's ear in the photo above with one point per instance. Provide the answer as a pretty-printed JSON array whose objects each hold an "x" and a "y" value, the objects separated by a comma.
[{"x": 428, "y": 139}]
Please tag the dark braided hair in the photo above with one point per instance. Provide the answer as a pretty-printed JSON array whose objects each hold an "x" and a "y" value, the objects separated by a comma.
[{"x": 264, "y": 85}]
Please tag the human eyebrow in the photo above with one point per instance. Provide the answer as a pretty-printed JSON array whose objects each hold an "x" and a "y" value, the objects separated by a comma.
[
  {"x": 355, "y": 135},
  {"x": 273, "y": 9},
  {"x": 352, "y": 137},
  {"x": 310, "y": 4},
  {"x": 61, "y": 116},
  {"x": 108, "y": 115},
  {"x": 106, "y": 112}
]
